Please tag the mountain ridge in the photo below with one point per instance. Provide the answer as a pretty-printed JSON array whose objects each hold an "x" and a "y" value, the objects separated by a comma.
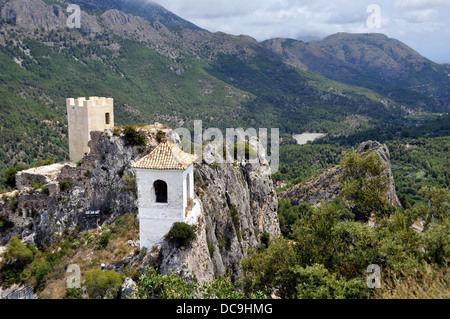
[
  {"x": 155, "y": 72},
  {"x": 374, "y": 61}
]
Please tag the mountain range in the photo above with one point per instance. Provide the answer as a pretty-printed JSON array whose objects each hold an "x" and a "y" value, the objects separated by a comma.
[{"x": 160, "y": 67}]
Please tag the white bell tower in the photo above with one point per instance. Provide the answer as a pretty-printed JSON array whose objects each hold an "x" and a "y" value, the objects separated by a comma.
[{"x": 165, "y": 184}]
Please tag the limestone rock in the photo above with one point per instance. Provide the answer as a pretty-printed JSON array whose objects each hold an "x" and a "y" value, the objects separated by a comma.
[
  {"x": 43, "y": 175},
  {"x": 34, "y": 13},
  {"x": 99, "y": 189},
  {"x": 128, "y": 287},
  {"x": 326, "y": 185},
  {"x": 239, "y": 204}
]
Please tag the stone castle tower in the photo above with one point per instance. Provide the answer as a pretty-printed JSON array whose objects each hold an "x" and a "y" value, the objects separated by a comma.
[{"x": 85, "y": 116}]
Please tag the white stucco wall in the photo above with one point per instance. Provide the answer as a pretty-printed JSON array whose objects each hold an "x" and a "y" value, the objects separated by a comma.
[
  {"x": 152, "y": 231},
  {"x": 188, "y": 173},
  {"x": 156, "y": 219}
]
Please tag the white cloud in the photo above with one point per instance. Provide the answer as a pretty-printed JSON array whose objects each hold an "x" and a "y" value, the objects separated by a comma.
[
  {"x": 414, "y": 21},
  {"x": 421, "y": 4},
  {"x": 420, "y": 16}
]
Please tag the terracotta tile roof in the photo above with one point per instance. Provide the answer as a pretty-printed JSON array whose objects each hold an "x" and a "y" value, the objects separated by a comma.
[{"x": 165, "y": 156}]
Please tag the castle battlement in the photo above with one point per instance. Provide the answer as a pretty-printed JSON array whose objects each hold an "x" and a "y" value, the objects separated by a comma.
[
  {"x": 84, "y": 116},
  {"x": 91, "y": 101}
]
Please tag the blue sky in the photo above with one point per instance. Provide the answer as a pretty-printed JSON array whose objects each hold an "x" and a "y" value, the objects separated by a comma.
[{"x": 424, "y": 25}]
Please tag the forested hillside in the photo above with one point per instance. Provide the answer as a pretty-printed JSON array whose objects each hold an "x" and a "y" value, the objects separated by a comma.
[
  {"x": 160, "y": 68},
  {"x": 155, "y": 73}
]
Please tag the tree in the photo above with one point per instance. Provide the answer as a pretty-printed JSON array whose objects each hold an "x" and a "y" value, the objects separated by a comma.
[
  {"x": 437, "y": 243},
  {"x": 18, "y": 252},
  {"x": 102, "y": 284},
  {"x": 133, "y": 136},
  {"x": 73, "y": 293},
  {"x": 10, "y": 175},
  {"x": 104, "y": 240},
  {"x": 271, "y": 270},
  {"x": 365, "y": 185},
  {"x": 316, "y": 282},
  {"x": 439, "y": 203},
  {"x": 156, "y": 286}
]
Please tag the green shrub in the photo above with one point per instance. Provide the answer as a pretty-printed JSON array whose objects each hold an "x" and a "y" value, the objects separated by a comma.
[
  {"x": 365, "y": 185},
  {"x": 265, "y": 238},
  {"x": 13, "y": 204},
  {"x": 316, "y": 282},
  {"x": 236, "y": 218},
  {"x": 160, "y": 135},
  {"x": 116, "y": 131},
  {"x": 41, "y": 270},
  {"x": 211, "y": 248},
  {"x": 37, "y": 184},
  {"x": 250, "y": 153},
  {"x": 134, "y": 137},
  {"x": 64, "y": 185},
  {"x": 104, "y": 240},
  {"x": 76, "y": 244},
  {"x": 73, "y": 293},
  {"x": 130, "y": 184},
  {"x": 181, "y": 234},
  {"x": 102, "y": 284},
  {"x": 155, "y": 286},
  {"x": 45, "y": 190},
  {"x": 10, "y": 175},
  {"x": 18, "y": 252},
  {"x": 5, "y": 223},
  {"x": 10, "y": 275}
]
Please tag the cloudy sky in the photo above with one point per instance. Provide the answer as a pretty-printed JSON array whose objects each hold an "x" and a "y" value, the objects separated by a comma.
[{"x": 422, "y": 24}]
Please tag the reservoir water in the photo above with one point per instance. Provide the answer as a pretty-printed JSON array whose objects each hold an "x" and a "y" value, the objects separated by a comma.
[{"x": 306, "y": 137}]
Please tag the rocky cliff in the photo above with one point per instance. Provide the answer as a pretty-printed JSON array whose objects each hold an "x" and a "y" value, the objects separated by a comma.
[
  {"x": 326, "y": 185},
  {"x": 74, "y": 195},
  {"x": 239, "y": 205},
  {"x": 238, "y": 201},
  {"x": 36, "y": 14}
]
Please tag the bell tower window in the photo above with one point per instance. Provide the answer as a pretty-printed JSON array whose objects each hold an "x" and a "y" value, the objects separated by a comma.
[{"x": 160, "y": 191}]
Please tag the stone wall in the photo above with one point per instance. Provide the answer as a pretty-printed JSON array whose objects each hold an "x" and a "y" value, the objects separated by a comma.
[{"x": 85, "y": 116}]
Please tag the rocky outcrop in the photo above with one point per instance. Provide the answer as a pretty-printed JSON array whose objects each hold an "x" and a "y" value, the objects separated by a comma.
[
  {"x": 383, "y": 153},
  {"x": 34, "y": 13},
  {"x": 68, "y": 196},
  {"x": 37, "y": 14},
  {"x": 238, "y": 203},
  {"x": 326, "y": 186}
]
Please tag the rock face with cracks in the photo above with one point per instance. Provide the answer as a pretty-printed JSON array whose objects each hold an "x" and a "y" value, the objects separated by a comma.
[
  {"x": 238, "y": 202},
  {"x": 327, "y": 186}
]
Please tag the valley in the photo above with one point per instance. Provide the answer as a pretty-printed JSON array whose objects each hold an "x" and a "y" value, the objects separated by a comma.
[{"x": 367, "y": 182}]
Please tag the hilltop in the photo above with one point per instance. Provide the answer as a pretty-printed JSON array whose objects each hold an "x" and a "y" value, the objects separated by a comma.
[
  {"x": 157, "y": 68},
  {"x": 373, "y": 61}
]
